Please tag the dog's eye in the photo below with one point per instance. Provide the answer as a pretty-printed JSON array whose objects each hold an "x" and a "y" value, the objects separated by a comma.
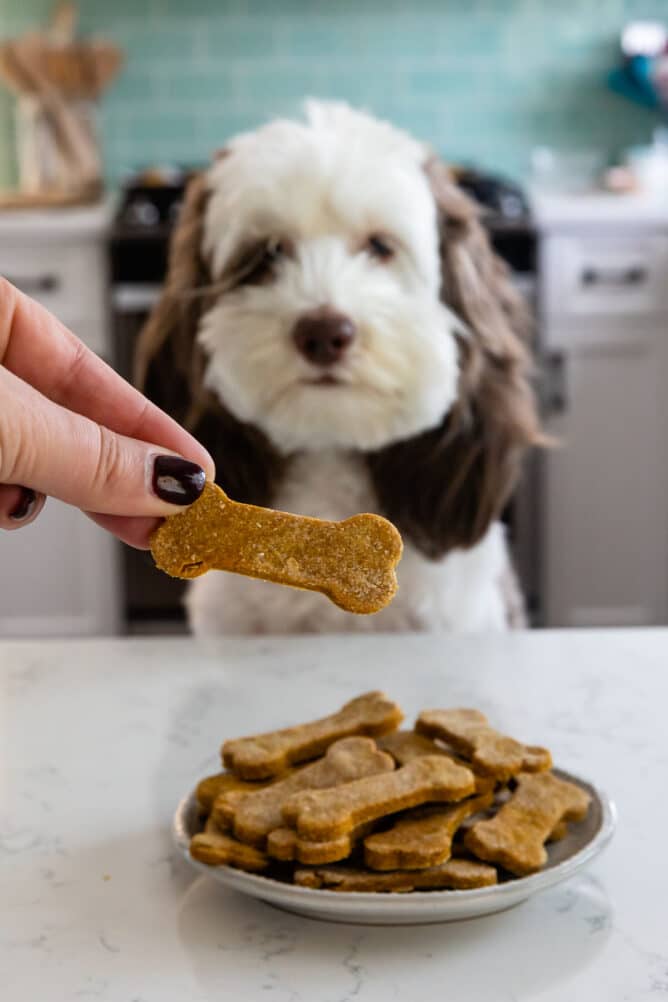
[
  {"x": 379, "y": 247},
  {"x": 261, "y": 263}
]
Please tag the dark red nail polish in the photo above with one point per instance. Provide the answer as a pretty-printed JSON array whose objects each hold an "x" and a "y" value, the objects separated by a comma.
[
  {"x": 25, "y": 505},
  {"x": 177, "y": 480}
]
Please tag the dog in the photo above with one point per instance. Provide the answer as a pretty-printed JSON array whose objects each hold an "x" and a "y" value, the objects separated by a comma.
[{"x": 337, "y": 331}]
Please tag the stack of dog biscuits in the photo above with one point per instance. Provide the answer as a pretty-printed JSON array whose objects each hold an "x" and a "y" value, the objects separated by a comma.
[{"x": 351, "y": 803}]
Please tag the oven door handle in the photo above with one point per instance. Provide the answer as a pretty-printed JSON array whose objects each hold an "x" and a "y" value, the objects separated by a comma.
[{"x": 128, "y": 298}]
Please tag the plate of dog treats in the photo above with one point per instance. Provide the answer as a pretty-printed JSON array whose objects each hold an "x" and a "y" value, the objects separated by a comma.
[{"x": 353, "y": 818}]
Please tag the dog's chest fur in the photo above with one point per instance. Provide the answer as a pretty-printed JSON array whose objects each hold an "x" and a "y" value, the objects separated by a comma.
[{"x": 463, "y": 591}]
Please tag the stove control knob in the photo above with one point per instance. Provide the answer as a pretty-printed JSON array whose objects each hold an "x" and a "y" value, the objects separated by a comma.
[{"x": 142, "y": 213}]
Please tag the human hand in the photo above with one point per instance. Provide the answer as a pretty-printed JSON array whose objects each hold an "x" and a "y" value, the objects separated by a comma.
[{"x": 73, "y": 428}]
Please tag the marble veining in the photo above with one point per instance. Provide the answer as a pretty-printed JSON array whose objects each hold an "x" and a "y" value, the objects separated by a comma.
[{"x": 100, "y": 739}]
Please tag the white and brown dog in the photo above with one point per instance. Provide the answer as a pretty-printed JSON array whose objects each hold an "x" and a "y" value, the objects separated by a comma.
[{"x": 337, "y": 331}]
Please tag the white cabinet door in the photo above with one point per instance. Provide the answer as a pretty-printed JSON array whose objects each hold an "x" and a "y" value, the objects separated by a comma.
[
  {"x": 606, "y": 486},
  {"x": 59, "y": 576}
]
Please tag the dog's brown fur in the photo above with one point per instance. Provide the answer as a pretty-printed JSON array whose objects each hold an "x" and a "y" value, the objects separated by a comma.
[{"x": 443, "y": 488}]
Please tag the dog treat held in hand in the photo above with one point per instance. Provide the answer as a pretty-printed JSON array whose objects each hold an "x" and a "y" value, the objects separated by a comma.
[
  {"x": 265, "y": 755},
  {"x": 490, "y": 752},
  {"x": 404, "y": 746},
  {"x": 459, "y": 874},
  {"x": 327, "y": 814},
  {"x": 421, "y": 839},
  {"x": 254, "y": 815},
  {"x": 218, "y": 848},
  {"x": 515, "y": 836},
  {"x": 352, "y": 562},
  {"x": 223, "y": 782},
  {"x": 285, "y": 844}
]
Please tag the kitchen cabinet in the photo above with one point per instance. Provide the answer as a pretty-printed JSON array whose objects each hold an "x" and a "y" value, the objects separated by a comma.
[
  {"x": 604, "y": 333},
  {"x": 60, "y": 576}
]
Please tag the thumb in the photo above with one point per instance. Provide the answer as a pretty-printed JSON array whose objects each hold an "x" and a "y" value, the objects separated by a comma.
[{"x": 52, "y": 450}]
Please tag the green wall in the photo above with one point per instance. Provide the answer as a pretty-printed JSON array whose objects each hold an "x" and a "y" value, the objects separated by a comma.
[{"x": 482, "y": 80}]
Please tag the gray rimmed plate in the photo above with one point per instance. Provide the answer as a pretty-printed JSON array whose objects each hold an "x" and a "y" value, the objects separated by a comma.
[{"x": 584, "y": 841}]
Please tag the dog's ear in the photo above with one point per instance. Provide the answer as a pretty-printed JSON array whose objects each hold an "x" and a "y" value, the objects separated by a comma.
[
  {"x": 169, "y": 365},
  {"x": 444, "y": 487}
]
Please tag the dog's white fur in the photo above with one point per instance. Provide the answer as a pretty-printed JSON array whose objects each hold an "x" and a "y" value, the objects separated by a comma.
[
  {"x": 461, "y": 592},
  {"x": 326, "y": 185}
]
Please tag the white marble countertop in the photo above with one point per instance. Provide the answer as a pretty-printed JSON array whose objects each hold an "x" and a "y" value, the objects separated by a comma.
[{"x": 99, "y": 740}]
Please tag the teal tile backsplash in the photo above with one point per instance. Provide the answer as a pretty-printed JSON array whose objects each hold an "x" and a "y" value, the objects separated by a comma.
[{"x": 482, "y": 80}]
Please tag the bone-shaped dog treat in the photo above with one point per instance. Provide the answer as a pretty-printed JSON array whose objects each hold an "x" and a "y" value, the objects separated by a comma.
[
  {"x": 404, "y": 746},
  {"x": 285, "y": 844},
  {"x": 219, "y": 849},
  {"x": 266, "y": 755},
  {"x": 421, "y": 840},
  {"x": 254, "y": 815},
  {"x": 223, "y": 782},
  {"x": 561, "y": 831},
  {"x": 327, "y": 814},
  {"x": 515, "y": 836},
  {"x": 352, "y": 562},
  {"x": 490, "y": 752},
  {"x": 460, "y": 874}
]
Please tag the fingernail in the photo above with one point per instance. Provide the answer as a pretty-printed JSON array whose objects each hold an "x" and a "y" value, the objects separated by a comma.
[
  {"x": 25, "y": 506},
  {"x": 177, "y": 480}
]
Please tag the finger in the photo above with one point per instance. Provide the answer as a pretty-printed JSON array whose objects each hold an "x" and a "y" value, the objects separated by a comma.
[
  {"x": 44, "y": 353},
  {"x": 133, "y": 531},
  {"x": 56, "y": 452},
  {"x": 19, "y": 506}
]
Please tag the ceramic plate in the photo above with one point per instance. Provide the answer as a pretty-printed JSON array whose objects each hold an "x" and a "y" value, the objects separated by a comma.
[{"x": 584, "y": 841}]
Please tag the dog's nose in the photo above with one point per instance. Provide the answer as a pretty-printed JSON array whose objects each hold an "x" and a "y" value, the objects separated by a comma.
[{"x": 323, "y": 336}]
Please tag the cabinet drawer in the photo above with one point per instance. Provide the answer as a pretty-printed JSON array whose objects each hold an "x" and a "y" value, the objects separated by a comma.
[
  {"x": 69, "y": 279},
  {"x": 595, "y": 276}
]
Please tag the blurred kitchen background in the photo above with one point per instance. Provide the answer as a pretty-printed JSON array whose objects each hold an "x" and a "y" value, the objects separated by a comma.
[{"x": 558, "y": 117}]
